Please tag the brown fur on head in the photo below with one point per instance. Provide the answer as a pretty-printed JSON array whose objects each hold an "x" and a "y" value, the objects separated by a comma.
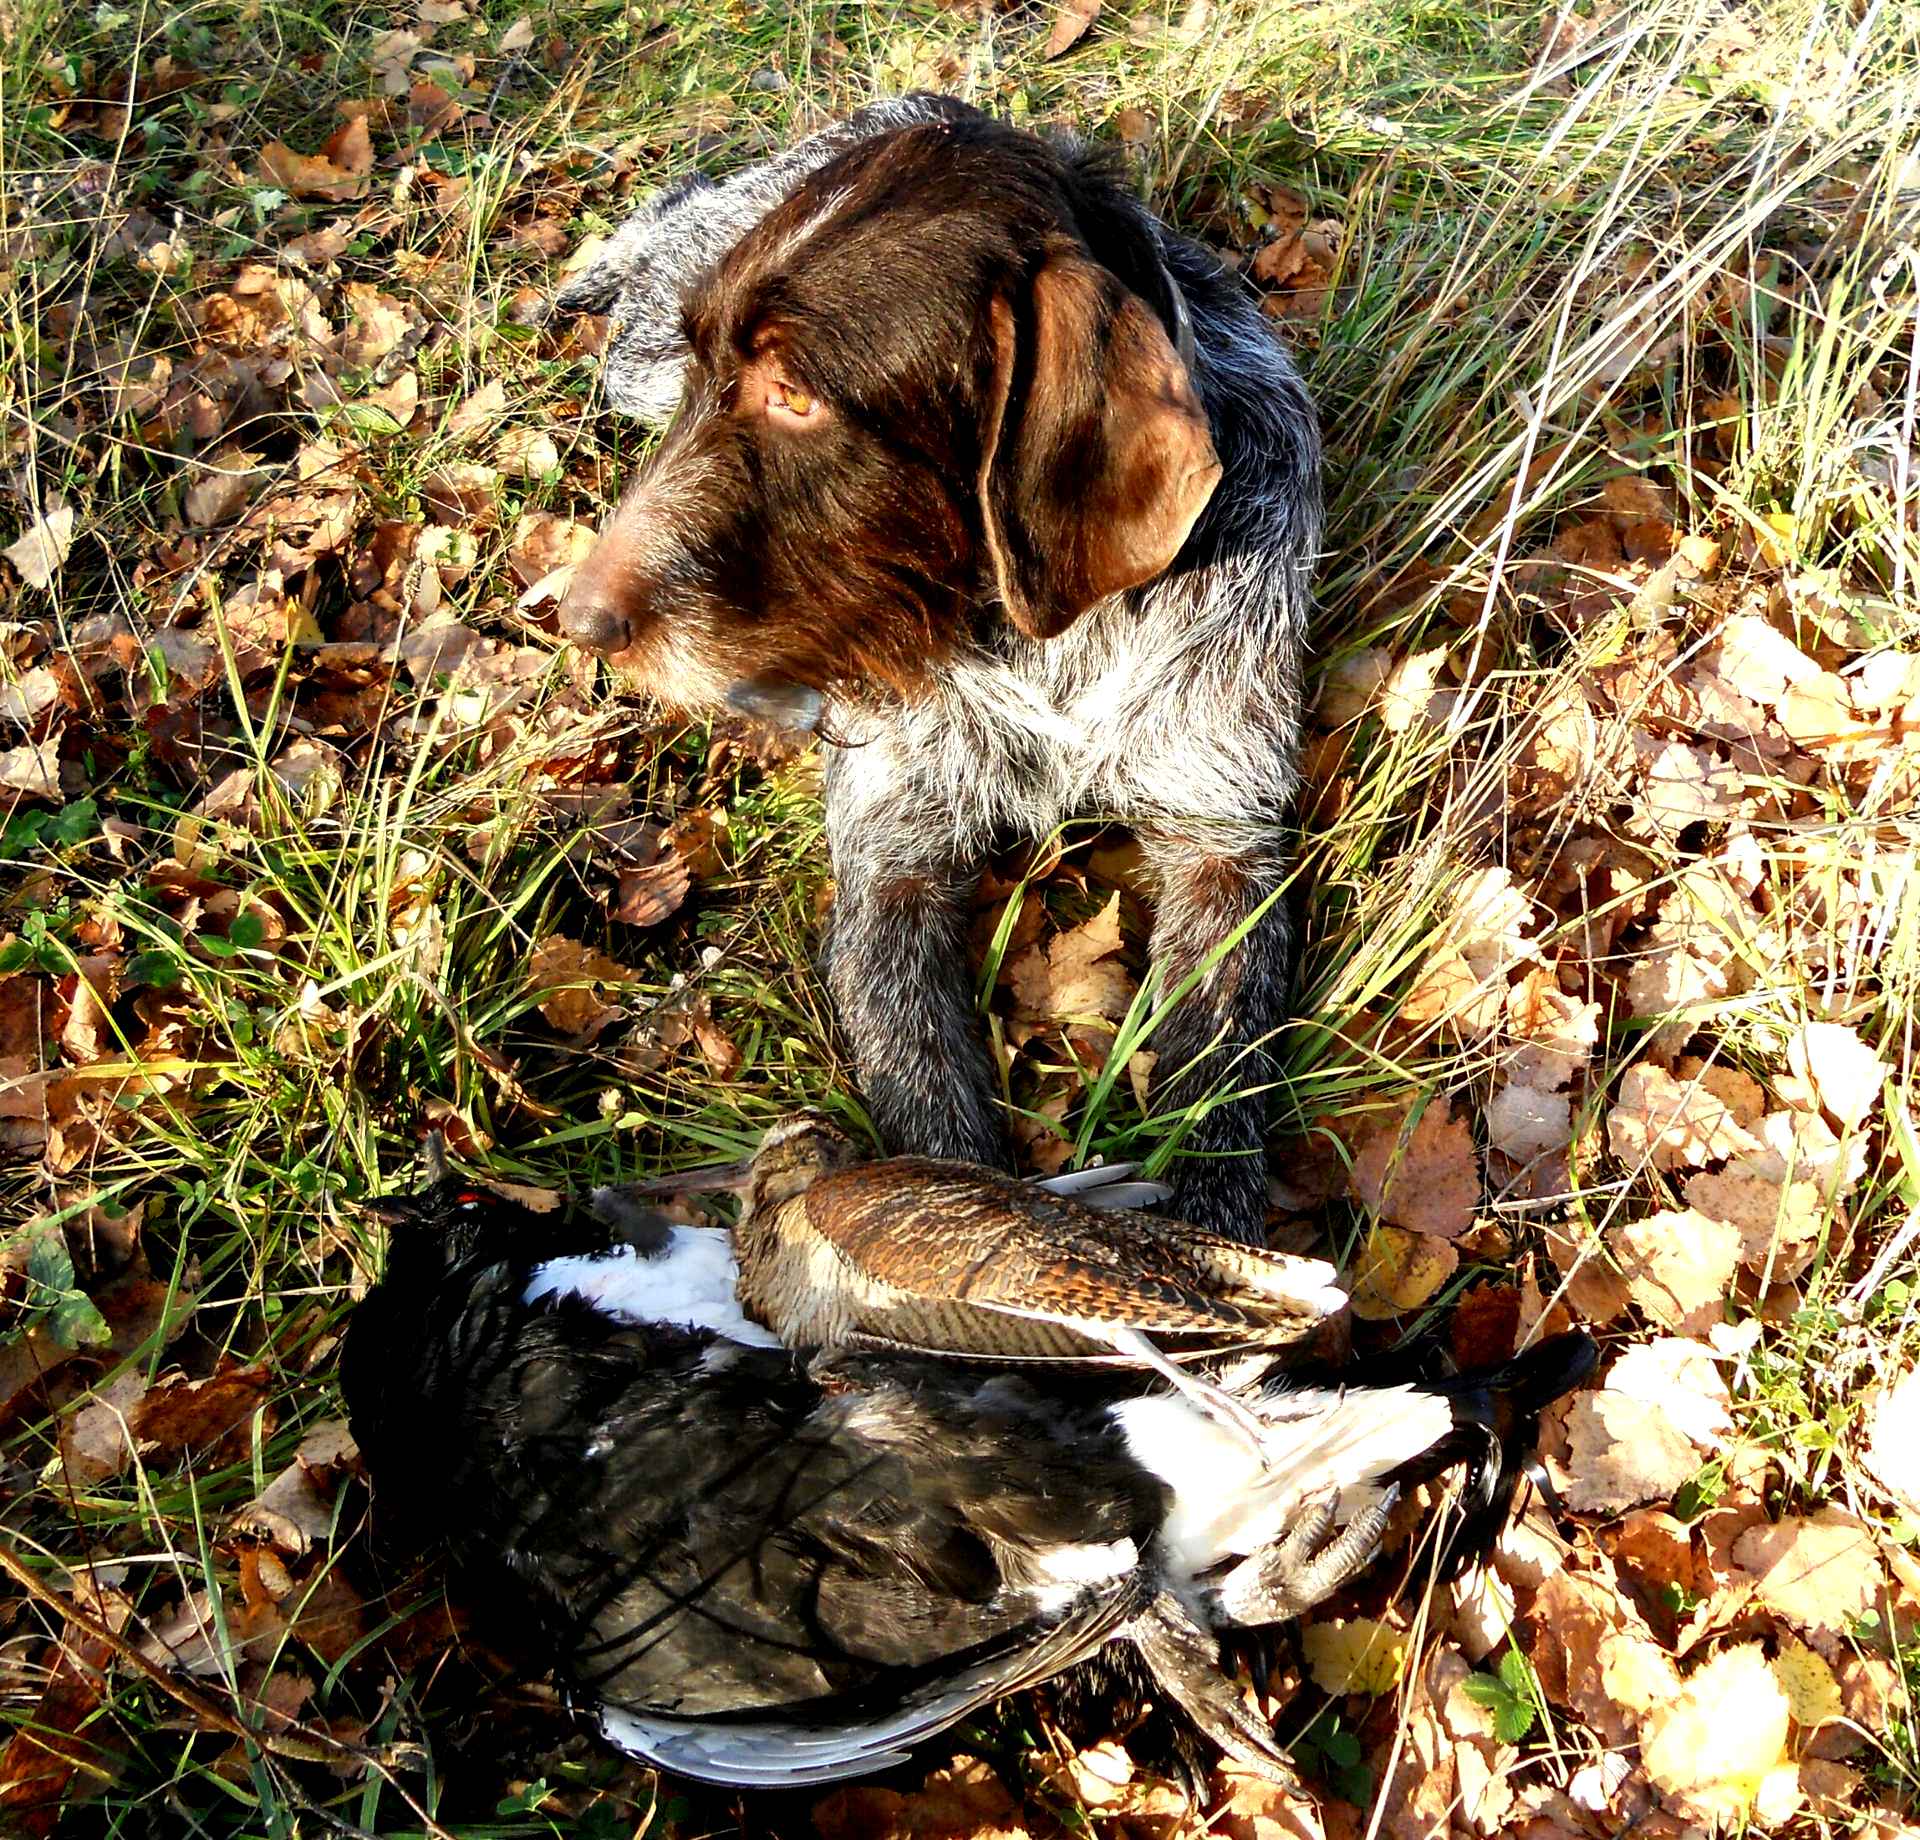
[{"x": 935, "y": 388}]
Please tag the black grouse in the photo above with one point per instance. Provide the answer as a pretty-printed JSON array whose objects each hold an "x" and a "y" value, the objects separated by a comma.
[{"x": 773, "y": 1567}]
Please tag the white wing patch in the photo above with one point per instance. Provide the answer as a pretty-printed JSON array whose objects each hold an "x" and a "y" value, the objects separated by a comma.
[{"x": 690, "y": 1283}]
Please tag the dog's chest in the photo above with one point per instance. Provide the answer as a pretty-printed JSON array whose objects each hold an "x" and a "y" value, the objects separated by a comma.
[{"x": 1018, "y": 740}]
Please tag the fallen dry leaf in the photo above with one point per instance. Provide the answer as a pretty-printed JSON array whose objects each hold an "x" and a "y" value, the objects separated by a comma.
[
  {"x": 1424, "y": 1770},
  {"x": 1426, "y": 1179},
  {"x": 1683, "y": 1378},
  {"x": 957, "y": 1802},
  {"x": 479, "y": 413},
  {"x": 1556, "y": 1033},
  {"x": 1254, "y": 1808},
  {"x": 1892, "y": 1450},
  {"x": 1778, "y": 1223},
  {"x": 211, "y": 1419},
  {"x": 652, "y": 893},
  {"x": 1819, "y": 715},
  {"x": 95, "y": 1441},
  {"x": 1524, "y": 1122},
  {"x": 1622, "y": 1452},
  {"x": 201, "y": 1641},
  {"x": 1397, "y": 1271},
  {"x": 55, "y": 1758},
  {"x": 1071, "y": 23},
  {"x": 1489, "y": 923},
  {"x": 1078, "y": 978},
  {"x": 1672, "y": 1123},
  {"x": 295, "y": 1510},
  {"x": 1843, "y": 1071},
  {"x": 1802, "y": 1146},
  {"x": 1680, "y": 785},
  {"x": 1590, "y": 1647},
  {"x": 1761, "y": 662},
  {"x": 1349, "y": 687},
  {"x": 1813, "y": 1694},
  {"x": 1820, "y": 1572},
  {"x": 222, "y": 484},
  {"x": 1046, "y": 1147},
  {"x": 1447, "y": 990},
  {"x": 40, "y": 550},
  {"x": 341, "y": 171},
  {"x": 1712, "y": 1746},
  {"x": 570, "y": 976},
  {"x": 1678, "y": 1266},
  {"x": 1662, "y": 1411},
  {"x": 1357, "y": 1656},
  {"x": 1407, "y": 697},
  {"x": 526, "y": 453}
]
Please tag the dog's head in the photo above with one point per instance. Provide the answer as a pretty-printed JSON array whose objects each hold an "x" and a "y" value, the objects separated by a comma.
[{"x": 938, "y": 386}]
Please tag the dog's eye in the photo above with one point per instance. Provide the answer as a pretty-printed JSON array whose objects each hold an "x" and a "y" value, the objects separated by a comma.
[{"x": 790, "y": 399}]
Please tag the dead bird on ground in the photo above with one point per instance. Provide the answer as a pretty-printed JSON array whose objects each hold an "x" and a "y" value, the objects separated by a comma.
[
  {"x": 916, "y": 1254},
  {"x": 762, "y": 1566}
]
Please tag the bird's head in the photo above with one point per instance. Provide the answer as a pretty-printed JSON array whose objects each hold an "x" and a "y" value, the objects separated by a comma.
[
  {"x": 800, "y": 1148},
  {"x": 453, "y": 1221},
  {"x": 792, "y": 1155}
]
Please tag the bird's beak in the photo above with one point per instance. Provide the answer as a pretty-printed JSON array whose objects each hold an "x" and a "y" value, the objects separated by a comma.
[
  {"x": 734, "y": 1176},
  {"x": 785, "y": 705}
]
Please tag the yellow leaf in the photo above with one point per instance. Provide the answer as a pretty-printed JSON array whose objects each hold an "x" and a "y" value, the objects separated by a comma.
[
  {"x": 1779, "y": 538},
  {"x": 1813, "y": 1694},
  {"x": 1709, "y": 1749},
  {"x": 1701, "y": 552},
  {"x": 1362, "y": 1656},
  {"x": 1398, "y": 1271}
]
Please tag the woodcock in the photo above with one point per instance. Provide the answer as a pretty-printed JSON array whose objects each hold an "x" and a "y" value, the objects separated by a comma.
[
  {"x": 767, "y": 1567},
  {"x": 960, "y": 1261}
]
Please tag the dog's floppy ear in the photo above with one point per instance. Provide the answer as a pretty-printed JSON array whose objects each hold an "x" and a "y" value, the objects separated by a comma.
[{"x": 1097, "y": 458}]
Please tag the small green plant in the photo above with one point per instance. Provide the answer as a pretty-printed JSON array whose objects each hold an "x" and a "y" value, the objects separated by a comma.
[
  {"x": 54, "y": 1298},
  {"x": 1510, "y": 1693},
  {"x": 1328, "y": 1750}
]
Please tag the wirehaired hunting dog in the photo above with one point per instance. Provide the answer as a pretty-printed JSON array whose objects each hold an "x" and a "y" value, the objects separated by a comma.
[{"x": 1009, "y": 489}]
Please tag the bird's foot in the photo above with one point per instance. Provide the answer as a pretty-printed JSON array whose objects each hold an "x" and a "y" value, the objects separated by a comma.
[{"x": 1290, "y": 1577}]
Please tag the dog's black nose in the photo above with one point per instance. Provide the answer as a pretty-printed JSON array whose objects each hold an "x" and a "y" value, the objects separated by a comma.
[{"x": 593, "y": 620}]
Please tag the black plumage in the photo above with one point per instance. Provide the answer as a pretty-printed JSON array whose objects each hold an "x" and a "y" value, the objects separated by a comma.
[{"x": 775, "y": 1567}]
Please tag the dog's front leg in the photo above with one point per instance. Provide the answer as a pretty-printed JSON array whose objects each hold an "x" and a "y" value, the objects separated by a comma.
[
  {"x": 1215, "y": 1046},
  {"x": 898, "y": 968}
]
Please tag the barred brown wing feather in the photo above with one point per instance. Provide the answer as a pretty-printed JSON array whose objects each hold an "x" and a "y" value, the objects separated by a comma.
[{"x": 949, "y": 1233}]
